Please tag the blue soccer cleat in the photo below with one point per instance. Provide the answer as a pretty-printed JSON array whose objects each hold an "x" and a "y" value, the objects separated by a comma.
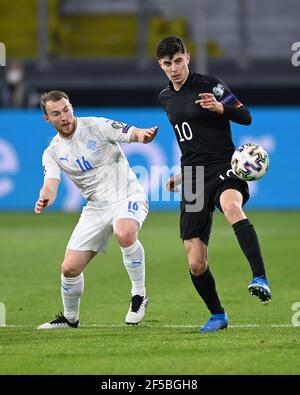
[
  {"x": 260, "y": 288},
  {"x": 216, "y": 322}
]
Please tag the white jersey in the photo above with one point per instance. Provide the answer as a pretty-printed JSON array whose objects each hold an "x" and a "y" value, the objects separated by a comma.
[{"x": 94, "y": 161}]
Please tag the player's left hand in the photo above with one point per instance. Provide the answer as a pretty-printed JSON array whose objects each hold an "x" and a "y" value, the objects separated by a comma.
[
  {"x": 209, "y": 102},
  {"x": 148, "y": 135},
  {"x": 40, "y": 204}
]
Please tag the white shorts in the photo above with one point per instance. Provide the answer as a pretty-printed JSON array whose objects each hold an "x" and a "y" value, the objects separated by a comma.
[{"x": 96, "y": 224}]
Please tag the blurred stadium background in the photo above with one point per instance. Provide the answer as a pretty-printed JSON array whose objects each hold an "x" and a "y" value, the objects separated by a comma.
[{"x": 101, "y": 52}]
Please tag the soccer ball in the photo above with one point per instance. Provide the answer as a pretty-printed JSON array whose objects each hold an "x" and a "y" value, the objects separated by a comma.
[{"x": 250, "y": 162}]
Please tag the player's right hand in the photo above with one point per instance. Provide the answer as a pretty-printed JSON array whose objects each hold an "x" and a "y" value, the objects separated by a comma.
[
  {"x": 172, "y": 185},
  {"x": 40, "y": 204},
  {"x": 149, "y": 135}
]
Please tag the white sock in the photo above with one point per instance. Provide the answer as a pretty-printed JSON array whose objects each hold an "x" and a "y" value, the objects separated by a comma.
[
  {"x": 134, "y": 262},
  {"x": 71, "y": 291}
]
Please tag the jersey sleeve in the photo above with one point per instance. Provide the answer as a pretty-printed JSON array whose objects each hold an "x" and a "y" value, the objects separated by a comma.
[
  {"x": 50, "y": 166},
  {"x": 234, "y": 110},
  {"x": 115, "y": 131},
  {"x": 223, "y": 94}
]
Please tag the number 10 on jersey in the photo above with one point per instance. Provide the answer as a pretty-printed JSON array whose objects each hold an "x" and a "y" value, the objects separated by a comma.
[{"x": 185, "y": 132}]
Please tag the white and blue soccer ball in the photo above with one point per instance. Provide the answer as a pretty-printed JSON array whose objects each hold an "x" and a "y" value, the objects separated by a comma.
[{"x": 250, "y": 162}]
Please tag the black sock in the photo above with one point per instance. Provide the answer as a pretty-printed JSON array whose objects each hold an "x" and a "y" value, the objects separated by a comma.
[
  {"x": 249, "y": 244},
  {"x": 206, "y": 288}
]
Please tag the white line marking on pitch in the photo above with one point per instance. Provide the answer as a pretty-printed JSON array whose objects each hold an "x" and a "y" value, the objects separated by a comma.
[{"x": 160, "y": 326}]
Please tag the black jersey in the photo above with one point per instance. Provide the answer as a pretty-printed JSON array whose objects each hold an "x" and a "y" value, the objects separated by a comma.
[{"x": 204, "y": 137}]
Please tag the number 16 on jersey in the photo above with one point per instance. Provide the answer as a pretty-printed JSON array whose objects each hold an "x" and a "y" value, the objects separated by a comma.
[{"x": 133, "y": 206}]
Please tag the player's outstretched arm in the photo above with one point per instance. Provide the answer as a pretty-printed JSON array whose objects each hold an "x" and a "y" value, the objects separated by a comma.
[
  {"x": 47, "y": 195},
  {"x": 144, "y": 136}
]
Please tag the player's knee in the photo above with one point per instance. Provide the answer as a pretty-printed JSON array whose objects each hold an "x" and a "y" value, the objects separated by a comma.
[
  {"x": 125, "y": 237},
  {"x": 232, "y": 210},
  {"x": 69, "y": 270},
  {"x": 198, "y": 267}
]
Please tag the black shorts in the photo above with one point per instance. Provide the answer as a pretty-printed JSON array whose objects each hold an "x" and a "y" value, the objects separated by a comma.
[{"x": 217, "y": 178}]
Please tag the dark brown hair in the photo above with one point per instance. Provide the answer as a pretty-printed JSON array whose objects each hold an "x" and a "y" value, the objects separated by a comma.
[
  {"x": 52, "y": 96},
  {"x": 169, "y": 46}
]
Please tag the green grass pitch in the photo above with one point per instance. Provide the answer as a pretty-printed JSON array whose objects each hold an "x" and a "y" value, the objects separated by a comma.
[{"x": 259, "y": 340}]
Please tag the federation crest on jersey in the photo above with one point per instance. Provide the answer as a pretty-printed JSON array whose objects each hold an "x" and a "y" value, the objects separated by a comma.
[
  {"x": 91, "y": 144},
  {"x": 218, "y": 90},
  {"x": 117, "y": 125}
]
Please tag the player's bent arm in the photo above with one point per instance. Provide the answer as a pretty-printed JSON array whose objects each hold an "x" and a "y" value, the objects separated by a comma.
[
  {"x": 239, "y": 115},
  {"x": 47, "y": 194},
  {"x": 144, "y": 136}
]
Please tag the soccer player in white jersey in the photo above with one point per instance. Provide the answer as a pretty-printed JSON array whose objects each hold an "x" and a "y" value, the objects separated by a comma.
[{"x": 87, "y": 151}]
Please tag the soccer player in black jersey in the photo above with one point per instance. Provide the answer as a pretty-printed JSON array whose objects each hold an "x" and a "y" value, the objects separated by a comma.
[{"x": 200, "y": 108}]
